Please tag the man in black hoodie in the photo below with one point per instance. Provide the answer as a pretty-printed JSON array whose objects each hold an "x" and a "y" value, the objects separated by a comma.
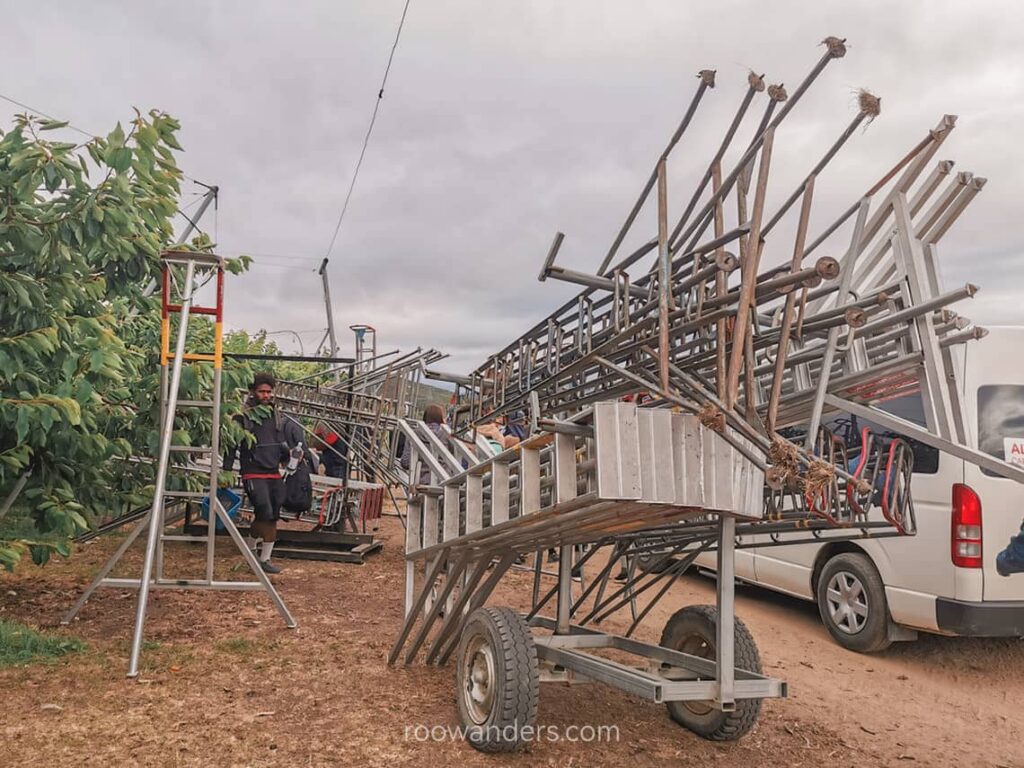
[{"x": 274, "y": 437}]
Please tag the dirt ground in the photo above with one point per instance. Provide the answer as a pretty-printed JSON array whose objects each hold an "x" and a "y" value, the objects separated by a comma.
[{"x": 224, "y": 683}]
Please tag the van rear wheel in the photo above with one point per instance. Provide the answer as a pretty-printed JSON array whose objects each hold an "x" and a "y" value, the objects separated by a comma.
[{"x": 852, "y": 604}]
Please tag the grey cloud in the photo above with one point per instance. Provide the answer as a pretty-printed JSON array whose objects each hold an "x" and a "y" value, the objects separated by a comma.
[{"x": 506, "y": 121}]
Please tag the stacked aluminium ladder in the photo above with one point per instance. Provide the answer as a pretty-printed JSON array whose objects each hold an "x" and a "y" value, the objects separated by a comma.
[
  {"x": 740, "y": 366},
  {"x": 364, "y": 408}
]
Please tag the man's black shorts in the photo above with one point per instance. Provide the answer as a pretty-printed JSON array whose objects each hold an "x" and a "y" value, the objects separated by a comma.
[{"x": 266, "y": 494}]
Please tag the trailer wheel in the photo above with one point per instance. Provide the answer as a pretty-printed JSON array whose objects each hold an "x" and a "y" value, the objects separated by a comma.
[
  {"x": 497, "y": 680},
  {"x": 692, "y": 630}
]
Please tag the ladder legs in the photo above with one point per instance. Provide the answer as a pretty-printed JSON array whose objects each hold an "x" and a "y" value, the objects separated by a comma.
[
  {"x": 250, "y": 558},
  {"x": 211, "y": 519},
  {"x": 105, "y": 571}
]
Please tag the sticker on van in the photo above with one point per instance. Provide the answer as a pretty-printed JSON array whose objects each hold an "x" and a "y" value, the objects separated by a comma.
[{"x": 1013, "y": 450}]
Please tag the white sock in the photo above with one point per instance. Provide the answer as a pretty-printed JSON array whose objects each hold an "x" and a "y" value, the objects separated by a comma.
[
  {"x": 250, "y": 542},
  {"x": 268, "y": 547}
]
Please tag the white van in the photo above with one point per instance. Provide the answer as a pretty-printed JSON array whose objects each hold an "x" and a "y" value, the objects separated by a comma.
[{"x": 943, "y": 580}]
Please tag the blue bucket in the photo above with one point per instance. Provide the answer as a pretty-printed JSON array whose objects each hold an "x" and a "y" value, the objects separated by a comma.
[{"x": 230, "y": 500}]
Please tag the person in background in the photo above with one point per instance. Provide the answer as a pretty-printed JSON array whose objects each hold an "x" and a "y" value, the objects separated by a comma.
[
  {"x": 516, "y": 427},
  {"x": 333, "y": 451},
  {"x": 1011, "y": 559},
  {"x": 494, "y": 435},
  {"x": 433, "y": 417}
]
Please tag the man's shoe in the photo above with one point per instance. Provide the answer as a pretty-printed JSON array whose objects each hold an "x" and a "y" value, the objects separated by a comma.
[
  {"x": 1008, "y": 563},
  {"x": 269, "y": 567},
  {"x": 553, "y": 556},
  {"x": 621, "y": 575}
]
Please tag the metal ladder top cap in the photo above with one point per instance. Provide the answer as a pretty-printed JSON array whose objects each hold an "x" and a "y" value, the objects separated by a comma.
[{"x": 182, "y": 257}]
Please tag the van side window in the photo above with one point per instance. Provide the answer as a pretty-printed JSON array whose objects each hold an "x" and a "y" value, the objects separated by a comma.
[
  {"x": 1001, "y": 422},
  {"x": 911, "y": 408}
]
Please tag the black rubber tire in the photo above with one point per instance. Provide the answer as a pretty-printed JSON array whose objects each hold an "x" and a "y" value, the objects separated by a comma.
[
  {"x": 517, "y": 683},
  {"x": 875, "y": 635},
  {"x": 701, "y": 621}
]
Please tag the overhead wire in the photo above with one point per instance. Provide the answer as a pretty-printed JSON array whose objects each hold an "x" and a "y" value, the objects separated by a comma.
[
  {"x": 260, "y": 263},
  {"x": 369, "y": 131},
  {"x": 352, "y": 183},
  {"x": 193, "y": 204},
  {"x": 48, "y": 117}
]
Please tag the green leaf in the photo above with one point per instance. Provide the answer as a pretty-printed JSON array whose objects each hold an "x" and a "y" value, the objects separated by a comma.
[
  {"x": 63, "y": 548},
  {"x": 10, "y": 554},
  {"x": 51, "y": 176},
  {"x": 22, "y": 423},
  {"x": 147, "y": 136},
  {"x": 120, "y": 159},
  {"x": 78, "y": 520},
  {"x": 40, "y": 554},
  {"x": 170, "y": 141},
  {"x": 116, "y": 137},
  {"x": 51, "y": 125}
]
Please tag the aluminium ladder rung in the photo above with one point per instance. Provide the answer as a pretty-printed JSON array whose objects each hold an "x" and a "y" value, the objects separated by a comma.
[
  {"x": 182, "y": 584},
  {"x": 195, "y": 310},
  {"x": 183, "y": 537},
  {"x": 191, "y": 449},
  {"x": 204, "y": 260},
  {"x": 187, "y": 494},
  {"x": 196, "y": 403}
]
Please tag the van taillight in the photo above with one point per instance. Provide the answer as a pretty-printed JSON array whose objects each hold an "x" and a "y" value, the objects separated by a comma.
[{"x": 965, "y": 528}]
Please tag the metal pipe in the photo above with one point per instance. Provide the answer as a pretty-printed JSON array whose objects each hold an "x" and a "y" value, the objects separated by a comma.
[
  {"x": 835, "y": 49},
  {"x": 550, "y": 260},
  {"x": 592, "y": 281},
  {"x": 707, "y": 80},
  {"x": 787, "y": 312},
  {"x": 664, "y": 276},
  {"x": 817, "y": 169},
  {"x": 749, "y": 269},
  {"x": 916, "y": 310},
  {"x": 755, "y": 85}
]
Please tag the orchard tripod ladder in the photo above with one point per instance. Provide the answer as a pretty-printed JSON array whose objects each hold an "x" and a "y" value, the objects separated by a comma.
[{"x": 198, "y": 269}]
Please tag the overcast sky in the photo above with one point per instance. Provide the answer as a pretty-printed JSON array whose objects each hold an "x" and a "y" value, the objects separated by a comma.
[{"x": 503, "y": 122}]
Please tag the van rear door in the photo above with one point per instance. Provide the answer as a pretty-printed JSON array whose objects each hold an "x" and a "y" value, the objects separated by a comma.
[{"x": 994, "y": 410}]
